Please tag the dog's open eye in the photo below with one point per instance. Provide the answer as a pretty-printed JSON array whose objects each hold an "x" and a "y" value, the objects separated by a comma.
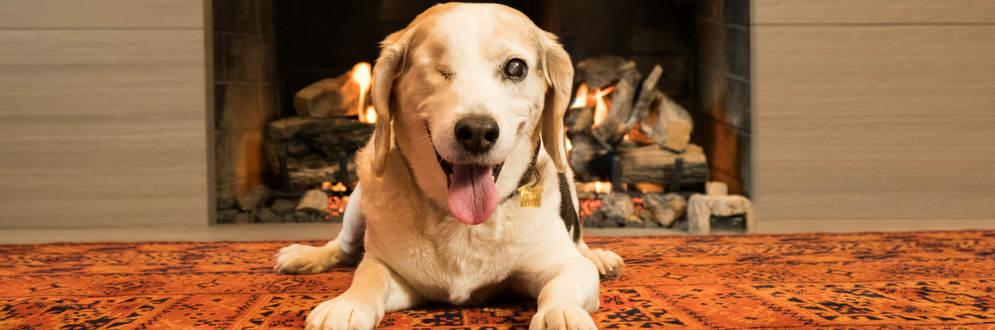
[{"x": 515, "y": 68}]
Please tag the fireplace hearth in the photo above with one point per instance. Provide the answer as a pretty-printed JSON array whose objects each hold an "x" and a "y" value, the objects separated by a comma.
[{"x": 661, "y": 105}]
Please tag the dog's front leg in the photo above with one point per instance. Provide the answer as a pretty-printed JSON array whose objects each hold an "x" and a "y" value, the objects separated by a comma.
[
  {"x": 375, "y": 290},
  {"x": 568, "y": 295}
]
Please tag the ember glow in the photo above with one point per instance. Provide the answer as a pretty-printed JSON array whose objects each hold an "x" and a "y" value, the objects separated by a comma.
[
  {"x": 588, "y": 206},
  {"x": 362, "y": 76},
  {"x": 336, "y": 206}
]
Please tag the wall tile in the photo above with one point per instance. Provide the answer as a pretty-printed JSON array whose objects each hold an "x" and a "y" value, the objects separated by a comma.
[
  {"x": 736, "y": 12},
  {"x": 713, "y": 46},
  {"x": 725, "y": 98},
  {"x": 239, "y": 107},
  {"x": 746, "y": 163},
  {"x": 727, "y": 11},
  {"x": 243, "y": 58},
  {"x": 236, "y": 16},
  {"x": 711, "y": 10},
  {"x": 266, "y": 11},
  {"x": 239, "y": 156},
  {"x": 737, "y": 51}
]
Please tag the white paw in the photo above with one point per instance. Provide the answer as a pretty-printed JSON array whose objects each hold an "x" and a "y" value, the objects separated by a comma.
[
  {"x": 343, "y": 314},
  {"x": 303, "y": 259},
  {"x": 608, "y": 263},
  {"x": 563, "y": 318}
]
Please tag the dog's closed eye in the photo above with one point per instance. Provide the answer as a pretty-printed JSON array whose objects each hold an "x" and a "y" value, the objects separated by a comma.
[{"x": 447, "y": 74}]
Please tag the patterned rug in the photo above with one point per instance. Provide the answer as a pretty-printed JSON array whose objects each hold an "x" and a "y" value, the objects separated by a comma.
[{"x": 854, "y": 281}]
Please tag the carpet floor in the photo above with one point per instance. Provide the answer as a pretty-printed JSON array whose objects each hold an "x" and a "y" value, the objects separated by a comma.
[{"x": 853, "y": 281}]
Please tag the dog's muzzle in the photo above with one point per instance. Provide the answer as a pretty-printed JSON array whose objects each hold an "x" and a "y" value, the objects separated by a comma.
[{"x": 472, "y": 193}]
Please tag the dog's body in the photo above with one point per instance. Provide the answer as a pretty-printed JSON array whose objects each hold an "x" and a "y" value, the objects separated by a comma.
[{"x": 436, "y": 228}]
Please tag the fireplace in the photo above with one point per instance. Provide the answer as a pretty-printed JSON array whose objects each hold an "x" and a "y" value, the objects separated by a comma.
[{"x": 267, "y": 53}]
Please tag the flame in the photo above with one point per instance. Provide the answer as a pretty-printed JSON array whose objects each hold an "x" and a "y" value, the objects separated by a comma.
[
  {"x": 326, "y": 185},
  {"x": 602, "y": 187},
  {"x": 361, "y": 75},
  {"x": 370, "y": 116},
  {"x": 569, "y": 145},
  {"x": 338, "y": 187},
  {"x": 601, "y": 109},
  {"x": 581, "y": 100},
  {"x": 598, "y": 187}
]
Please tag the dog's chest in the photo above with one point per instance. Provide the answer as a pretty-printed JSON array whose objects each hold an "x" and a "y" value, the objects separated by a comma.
[{"x": 460, "y": 268}]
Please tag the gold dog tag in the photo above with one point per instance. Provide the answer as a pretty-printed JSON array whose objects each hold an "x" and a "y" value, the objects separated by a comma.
[{"x": 531, "y": 196}]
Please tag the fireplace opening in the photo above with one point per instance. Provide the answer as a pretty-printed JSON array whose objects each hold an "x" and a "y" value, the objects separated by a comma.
[{"x": 661, "y": 104}]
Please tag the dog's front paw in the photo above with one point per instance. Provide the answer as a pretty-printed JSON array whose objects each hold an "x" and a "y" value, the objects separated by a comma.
[
  {"x": 343, "y": 314},
  {"x": 609, "y": 264},
  {"x": 562, "y": 318},
  {"x": 303, "y": 259}
]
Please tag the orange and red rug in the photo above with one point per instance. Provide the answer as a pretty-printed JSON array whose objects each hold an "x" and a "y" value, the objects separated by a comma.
[{"x": 854, "y": 281}]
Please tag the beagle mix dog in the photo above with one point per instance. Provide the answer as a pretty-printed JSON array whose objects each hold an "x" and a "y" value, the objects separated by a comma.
[{"x": 466, "y": 194}]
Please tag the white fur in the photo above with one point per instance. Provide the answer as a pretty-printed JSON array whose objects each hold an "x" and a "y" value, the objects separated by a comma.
[{"x": 415, "y": 250}]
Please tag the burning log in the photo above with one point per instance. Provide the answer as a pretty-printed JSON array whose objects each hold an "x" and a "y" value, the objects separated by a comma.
[
  {"x": 611, "y": 130},
  {"x": 654, "y": 164},
  {"x": 625, "y": 114},
  {"x": 584, "y": 150},
  {"x": 328, "y": 98},
  {"x": 646, "y": 96},
  {"x": 313, "y": 147},
  {"x": 342, "y": 96},
  {"x": 670, "y": 125},
  {"x": 577, "y": 120},
  {"x": 603, "y": 71}
]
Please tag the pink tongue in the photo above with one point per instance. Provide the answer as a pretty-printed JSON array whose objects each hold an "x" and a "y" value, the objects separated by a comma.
[{"x": 472, "y": 195}]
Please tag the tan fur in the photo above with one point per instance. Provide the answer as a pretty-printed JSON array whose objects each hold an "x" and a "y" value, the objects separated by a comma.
[{"x": 416, "y": 252}]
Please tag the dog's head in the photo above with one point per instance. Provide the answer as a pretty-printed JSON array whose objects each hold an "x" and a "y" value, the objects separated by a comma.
[{"x": 469, "y": 90}]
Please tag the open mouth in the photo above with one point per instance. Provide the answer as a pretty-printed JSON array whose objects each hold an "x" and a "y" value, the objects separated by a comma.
[
  {"x": 447, "y": 168},
  {"x": 472, "y": 194}
]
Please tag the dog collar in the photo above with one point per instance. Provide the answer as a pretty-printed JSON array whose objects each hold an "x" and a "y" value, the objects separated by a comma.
[{"x": 530, "y": 195}]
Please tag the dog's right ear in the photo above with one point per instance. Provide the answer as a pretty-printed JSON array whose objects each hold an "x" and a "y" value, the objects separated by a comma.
[{"x": 389, "y": 66}]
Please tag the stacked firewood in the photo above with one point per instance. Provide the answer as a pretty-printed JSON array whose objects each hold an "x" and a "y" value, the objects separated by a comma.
[
  {"x": 646, "y": 130},
  {"x": 320, "y": 142}
]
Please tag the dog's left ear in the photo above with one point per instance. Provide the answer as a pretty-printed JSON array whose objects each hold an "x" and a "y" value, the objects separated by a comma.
[{"x": 559, "y": 75}]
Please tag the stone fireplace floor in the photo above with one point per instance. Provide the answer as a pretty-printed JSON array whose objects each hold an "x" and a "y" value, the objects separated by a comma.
[{"x": 252, "y": 232}]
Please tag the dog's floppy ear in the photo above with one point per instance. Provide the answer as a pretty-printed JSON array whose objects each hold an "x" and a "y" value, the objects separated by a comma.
[
  {"x": 388, "y": 68},
  {"x": 559, "y": 75}
]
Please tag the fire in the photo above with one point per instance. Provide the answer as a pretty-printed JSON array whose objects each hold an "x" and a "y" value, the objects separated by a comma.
[
  {"x": 569, "y": 146},
  {"x": 370, "y": 116},
  {"x": 601, "y": 109},
  {"x": 336, "y": 206},
  {"x": 362, "y": 76},
  {"x": 581, "y": 100},
  {"x": 598, "y": 187}
]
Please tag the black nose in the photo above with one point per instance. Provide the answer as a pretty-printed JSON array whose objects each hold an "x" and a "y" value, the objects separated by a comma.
[{"x": 477, "y": 133}]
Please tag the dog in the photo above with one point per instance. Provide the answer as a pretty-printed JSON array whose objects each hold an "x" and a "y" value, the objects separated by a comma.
[{"x": 465, "y": 190}]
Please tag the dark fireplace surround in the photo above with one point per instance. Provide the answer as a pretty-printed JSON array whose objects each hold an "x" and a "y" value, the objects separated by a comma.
[{"x": 264, "y": 51}]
